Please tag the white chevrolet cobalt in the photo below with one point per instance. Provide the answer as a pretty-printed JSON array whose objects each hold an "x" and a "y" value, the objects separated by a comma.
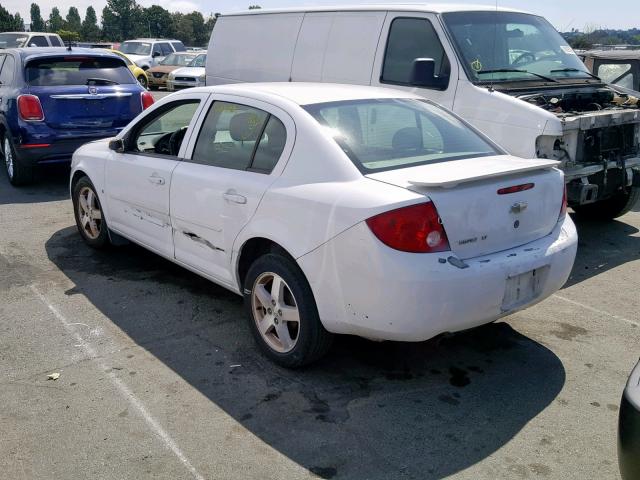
[{"x": 332, "y": 209}]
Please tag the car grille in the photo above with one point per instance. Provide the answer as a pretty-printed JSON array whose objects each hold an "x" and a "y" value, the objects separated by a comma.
[
  {"x": 158, "y": 74},
  {"x": 185, "y": 79},
  {"x": 608, "y": 143}
]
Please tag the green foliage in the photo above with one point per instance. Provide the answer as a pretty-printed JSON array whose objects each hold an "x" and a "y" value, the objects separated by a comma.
[
  {"x": 595, "y": 37},
  {"x": 10, "y": 23},
  {"x": 37, "y": 22},
  {"x": 122, "y": 19},
  {"x": 68, "y": 36},
  {"x": 74, "y": 22},
  {"x": 157, "y": 22},
  {"x": 56, "y": 22},
  {"x": 89, "y": 30}
]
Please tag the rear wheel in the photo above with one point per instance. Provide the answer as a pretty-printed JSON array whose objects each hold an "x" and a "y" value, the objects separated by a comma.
[
  {"x": 610, "y": 208},
  {"x": 18, "y": 171},
  {"x": 142, "y": 80},
  {"x": 88, "y": 214},
  {"x": 282, "y": 312}
]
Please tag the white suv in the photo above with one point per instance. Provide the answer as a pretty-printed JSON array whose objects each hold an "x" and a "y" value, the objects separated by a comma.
[
  {"x": 147, "y": 52},
  {"x": 29, "y": 39}
]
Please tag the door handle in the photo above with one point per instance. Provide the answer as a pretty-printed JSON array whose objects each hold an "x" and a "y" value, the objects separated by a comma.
[
  {"x": 156, "y": 179},
  {"x": 233, "y": 197}
]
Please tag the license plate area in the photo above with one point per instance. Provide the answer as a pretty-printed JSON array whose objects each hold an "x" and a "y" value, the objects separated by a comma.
[{"x": 523, "y": 288}]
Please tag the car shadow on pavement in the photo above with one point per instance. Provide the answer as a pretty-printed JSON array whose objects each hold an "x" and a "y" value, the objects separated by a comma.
[
  {"x": 603, "y": 246},
  {"x": 368, "y": 410},
  {"x": 51, "y": 183}
]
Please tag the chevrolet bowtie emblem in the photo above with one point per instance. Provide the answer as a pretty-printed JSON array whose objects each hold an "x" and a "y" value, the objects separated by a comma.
[{"x": 519, "y": 207}]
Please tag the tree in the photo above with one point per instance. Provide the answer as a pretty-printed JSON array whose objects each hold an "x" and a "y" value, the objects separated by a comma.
[
  {"x": 157, "y": 22},
  {"x": 37, "y": 22},
  {"x": 74, "y": 22},
  {"x": 68, "y": 36},
  {"x": 122, "y": 19},
  {"x": 18, "y": 23},
  {"x": 183, "y": 28},
  {"x": 56, "y": 22},
  {"x": 8, "y": 22},
  {"x": 89, "y": 30}
]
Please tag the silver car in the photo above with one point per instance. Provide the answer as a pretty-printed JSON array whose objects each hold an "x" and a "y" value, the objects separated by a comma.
[{"x": 193, "y": 75}]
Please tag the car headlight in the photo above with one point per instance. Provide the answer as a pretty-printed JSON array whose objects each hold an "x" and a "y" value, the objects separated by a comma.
[
  {"x": 202, "y": 77},
  {"x": 171, "y": 76}
]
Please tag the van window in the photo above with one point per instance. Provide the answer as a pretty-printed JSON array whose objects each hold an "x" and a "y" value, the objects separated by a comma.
[
  {"x": 38, "y": 41},
  {"x": 178, "y": 46},
  {"x": 230, "y": 134},
  {"x": 388, "y": 134},
  {"x": 411, "y": 38}
]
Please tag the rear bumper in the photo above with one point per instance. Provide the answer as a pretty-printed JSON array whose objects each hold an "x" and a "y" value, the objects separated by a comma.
[
  {"x": 55, "y": 152},
  {"x": 363, "y": 287},
  {"x": 629, "y": 429}
]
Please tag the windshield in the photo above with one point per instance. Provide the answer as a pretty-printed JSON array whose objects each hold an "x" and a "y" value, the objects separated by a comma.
[
  {"x": 12, "y": 40},
  {"x": 135, "y": 48},
  {"x": 77, "y": 70},
  {"x": 506, "y": 46},
  {"x": 199, "y": 61},
  {"x": 177, "y": 59},
  {"x": 388, "y": 134}
]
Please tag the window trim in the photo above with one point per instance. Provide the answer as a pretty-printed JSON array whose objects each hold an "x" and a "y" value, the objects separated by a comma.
[
  {"x": 6, "y": 56},
  {"x": 148, "y": 119},
  {"x": 386, "y": 49},
  {"x": 250, "y": 168}
]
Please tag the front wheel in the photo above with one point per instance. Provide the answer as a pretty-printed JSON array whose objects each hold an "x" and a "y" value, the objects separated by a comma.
[
  {"x": 88, "y": 214},
  {"x": 282, "y": 312},
  {"x": 610, "y": 208},
  {"x": 18, "y": 172},
  {"x": 142, "y": 80}
]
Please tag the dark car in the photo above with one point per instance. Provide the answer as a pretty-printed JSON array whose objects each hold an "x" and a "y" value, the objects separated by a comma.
[
  {"x": 53, "y": 100},
  {"x": 629, "y": 428}
]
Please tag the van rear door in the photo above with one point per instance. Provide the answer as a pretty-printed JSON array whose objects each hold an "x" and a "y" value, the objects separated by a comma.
[{"x": 405, "y": 37}]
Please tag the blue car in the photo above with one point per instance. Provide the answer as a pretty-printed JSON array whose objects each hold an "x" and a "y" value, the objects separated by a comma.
[{"x": 53, "y": 100}]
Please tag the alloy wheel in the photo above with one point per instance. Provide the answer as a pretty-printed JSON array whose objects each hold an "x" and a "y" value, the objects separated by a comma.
[
  {"x": 275, "y": 312},
  {"x": 8, "y": 157},
  {"x": 89, "y": 213}
]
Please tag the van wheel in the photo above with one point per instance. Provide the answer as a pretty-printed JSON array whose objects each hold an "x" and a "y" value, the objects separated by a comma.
[
  {"x": 282, "y": 312},
  {"x": 89, "y": 215},
  {"x": 18, "y": 171},
  {"x": 610, "y": 208}
]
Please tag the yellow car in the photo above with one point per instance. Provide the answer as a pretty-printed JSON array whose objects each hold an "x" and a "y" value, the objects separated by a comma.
[{"x": 138, "y": 72}]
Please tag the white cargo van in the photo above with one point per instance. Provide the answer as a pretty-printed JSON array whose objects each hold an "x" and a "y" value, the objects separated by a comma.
[{"x": 507, "y": 72}]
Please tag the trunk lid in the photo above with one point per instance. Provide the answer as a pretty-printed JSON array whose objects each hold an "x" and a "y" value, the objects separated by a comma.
[
  {"x": 477, "y": 219},
  {"x": 82, "y": 106}
]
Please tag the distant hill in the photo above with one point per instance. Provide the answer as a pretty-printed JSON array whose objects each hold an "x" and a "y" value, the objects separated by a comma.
[{"x": 587, "y": 40}]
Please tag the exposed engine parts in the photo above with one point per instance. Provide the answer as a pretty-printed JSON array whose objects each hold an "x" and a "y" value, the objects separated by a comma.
[{"x": 583, "y": 100}]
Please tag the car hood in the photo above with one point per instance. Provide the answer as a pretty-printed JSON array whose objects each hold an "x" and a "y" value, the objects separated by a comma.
[
  {"x": 163, "y": 68},
  {"x": 190, "y": 71}
]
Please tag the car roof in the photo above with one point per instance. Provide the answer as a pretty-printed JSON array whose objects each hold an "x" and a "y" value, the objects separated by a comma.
[
  {"x": 28, "y": 53},
  {"x": 613, "y": 54},
  {"x": 34, "y": 33},
  {"x": 306, "y": 93},
  {"x": 396, "y": 7},
  {"x": 152, "y": 40}
]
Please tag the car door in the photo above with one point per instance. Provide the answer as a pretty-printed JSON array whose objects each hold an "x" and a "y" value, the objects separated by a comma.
[
  {"x": 138, "y": 179},
  {"x": 240, "y": 149}
]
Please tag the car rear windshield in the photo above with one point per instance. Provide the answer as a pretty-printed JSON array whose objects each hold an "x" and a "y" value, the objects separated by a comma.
[
  {"x": 76, "y": 70},
  {"x": 13, "y": 40},
  {"x": 388, "y": 134},
  {"x": 136, "y": 48}
]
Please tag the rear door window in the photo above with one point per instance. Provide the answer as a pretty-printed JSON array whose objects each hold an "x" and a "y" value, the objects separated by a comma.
[
  {"x": 411, "y": 38},
  {"x": 7, "y": 70},
  {"x": 618, "y": 73},
  {"x": 55, "y": 41},
  {"x": 38, "y": 41},
  {"x": 178, "y": 46},
  {"x": 77, "y": 70},
  {"x": 165, "y": 49}
]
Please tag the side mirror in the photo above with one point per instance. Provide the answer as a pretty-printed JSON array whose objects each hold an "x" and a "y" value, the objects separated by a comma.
[
  {"x": 423, "y": 73},
  {"x": 117, "y": 145}
]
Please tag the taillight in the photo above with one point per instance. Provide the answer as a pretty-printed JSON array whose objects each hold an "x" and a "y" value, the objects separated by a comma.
[
  {"x": 29, "y": 108},
  {"x": 416, "y": 229},
  {"x": 563, "y": 207},
  {"x": 516, "y": 188},
  {"x": 147, "y": 100}
]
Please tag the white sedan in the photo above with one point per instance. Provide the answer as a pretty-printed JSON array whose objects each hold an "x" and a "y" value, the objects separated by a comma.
[{"x": 331, "y": 209}]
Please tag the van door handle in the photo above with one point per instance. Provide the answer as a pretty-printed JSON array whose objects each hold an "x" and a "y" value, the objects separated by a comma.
[
  {"x": 156, "y": 179},
  {"x": 233, "y": 197}
]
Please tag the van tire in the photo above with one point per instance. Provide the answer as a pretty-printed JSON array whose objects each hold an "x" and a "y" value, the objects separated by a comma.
[{"x": 610, "y": 208}]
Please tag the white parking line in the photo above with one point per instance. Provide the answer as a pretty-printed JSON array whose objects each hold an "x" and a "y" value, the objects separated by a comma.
[
  {"x": 595, "y": 310},
  {"x": 122, "y": 387}
]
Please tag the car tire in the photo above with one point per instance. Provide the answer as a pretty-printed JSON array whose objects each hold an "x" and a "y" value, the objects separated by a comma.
[
  {"x": 272, "y": 312},
  {"x": 610, "y": 208},
  {"x": 19, "y": 172},
  {"x": 89, "y": 216},
  {"x": 142, "y": 80}
]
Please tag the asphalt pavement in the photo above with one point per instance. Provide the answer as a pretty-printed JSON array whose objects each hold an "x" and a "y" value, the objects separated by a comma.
[{"x": 159, "y": 377}]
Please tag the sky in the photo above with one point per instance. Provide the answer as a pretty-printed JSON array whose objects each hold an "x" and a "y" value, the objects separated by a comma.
[{"x": 563, "y": 14}]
